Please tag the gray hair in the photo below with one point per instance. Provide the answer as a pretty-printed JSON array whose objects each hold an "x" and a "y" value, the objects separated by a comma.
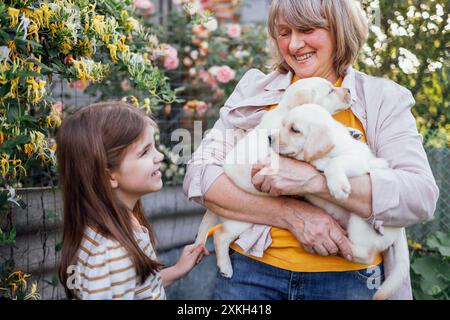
[{"x": 344, "y": 19}]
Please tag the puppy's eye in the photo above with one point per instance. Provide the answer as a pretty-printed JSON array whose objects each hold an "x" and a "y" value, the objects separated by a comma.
[
  {"x": 331, "y": 91},
  {"x": 295, "y": 130}
]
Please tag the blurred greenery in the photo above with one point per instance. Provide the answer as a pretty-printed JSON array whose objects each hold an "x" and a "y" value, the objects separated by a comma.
[
  {"x": 430, "y": 266},
  {"x": 409, "y": 43}
]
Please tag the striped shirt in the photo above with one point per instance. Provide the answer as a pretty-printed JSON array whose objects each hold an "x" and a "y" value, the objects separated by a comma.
[{"x": 106, "y": 270}]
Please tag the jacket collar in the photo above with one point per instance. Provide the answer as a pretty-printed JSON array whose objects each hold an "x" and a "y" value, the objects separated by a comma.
[
  {"x": 283, "y": 81},
  {"x": 274, "y": 90},
  {"x": 350, "y": 83},
  {"x": 280, "y": 83}
]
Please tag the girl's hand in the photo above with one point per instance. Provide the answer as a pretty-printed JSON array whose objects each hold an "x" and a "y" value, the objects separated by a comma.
[
  {"x": 190, "y": 256},
  {"x": 291, "y": 178}
]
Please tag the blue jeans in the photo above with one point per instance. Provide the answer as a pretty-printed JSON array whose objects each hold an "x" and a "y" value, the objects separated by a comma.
[{"x": 254, "y": 280}]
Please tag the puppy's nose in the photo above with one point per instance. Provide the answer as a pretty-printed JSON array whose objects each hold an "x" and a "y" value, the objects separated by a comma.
[{"x": 270, "y": 139}]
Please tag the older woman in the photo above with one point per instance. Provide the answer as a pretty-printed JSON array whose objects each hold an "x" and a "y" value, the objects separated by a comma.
[{"x": 308, "y": 254}]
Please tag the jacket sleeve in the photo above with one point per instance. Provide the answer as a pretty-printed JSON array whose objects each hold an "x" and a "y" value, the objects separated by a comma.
[{"x": 406, "y": 193}]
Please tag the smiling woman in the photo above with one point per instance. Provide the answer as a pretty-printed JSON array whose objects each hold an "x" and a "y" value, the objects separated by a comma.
[
  {"x": 298, "y": 255},
  {"x": 306, "y": 33}
]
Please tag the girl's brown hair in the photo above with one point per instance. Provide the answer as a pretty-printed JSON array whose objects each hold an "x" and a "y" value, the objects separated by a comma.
[
  {"x": 345, "y": 20},
  {"x": 91, "y": 143}
]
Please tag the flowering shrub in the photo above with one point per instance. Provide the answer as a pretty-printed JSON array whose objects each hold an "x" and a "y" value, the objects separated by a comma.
[
  {"x": 172, "y": 170},
  {"x": 81, "y": 42},
  {"x": 406, "y": 44},
  {"x": 212, "y": 58},
  {"x": 14, "y": 286},
  {"x": 203, "y": 60}
]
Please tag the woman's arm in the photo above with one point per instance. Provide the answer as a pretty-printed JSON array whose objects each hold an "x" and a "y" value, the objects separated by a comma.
[
  {"x": 298, "y": 178},
  {"x": 312, "y": 227},
  {"x": 401, "y": 195}
]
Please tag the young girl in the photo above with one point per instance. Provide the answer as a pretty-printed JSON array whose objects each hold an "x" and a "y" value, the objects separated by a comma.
[{"x": 107, "y": 160}]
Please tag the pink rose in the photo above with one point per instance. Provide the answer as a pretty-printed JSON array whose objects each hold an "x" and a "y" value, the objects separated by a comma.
[
  {"x": 125, "y": 86},
  {"x": 79, "y": 85},
  {"x": 170, "y": 51},
  {"x": 171, "y": 63},
  {"x": 207, "y": 78},
  {"x": 201, "y": 108},
  {"x": 219, "y": 93},
  {"x": 145, "y": 6},
  {"x": 192, "y": 72},
  {"x": 200, "y": 31},
  {"x": 234, "y": 30},
  {"x": 225, "y": 74},
  {"x": 187, "y": 62}
]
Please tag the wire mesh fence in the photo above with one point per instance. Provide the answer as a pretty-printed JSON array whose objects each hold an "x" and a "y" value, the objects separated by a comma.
[{"x": 436, "y": 145}]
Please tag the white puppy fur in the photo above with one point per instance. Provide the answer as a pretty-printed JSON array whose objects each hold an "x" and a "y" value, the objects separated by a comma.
[
  {"x": 255, "y": 147},
  {"x": 309, "y": 133}
]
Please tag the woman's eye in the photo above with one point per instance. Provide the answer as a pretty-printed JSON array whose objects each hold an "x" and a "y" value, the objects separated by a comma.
[
  {"x": 307, "y": 31},
  {"x": 283, "y": 33}
]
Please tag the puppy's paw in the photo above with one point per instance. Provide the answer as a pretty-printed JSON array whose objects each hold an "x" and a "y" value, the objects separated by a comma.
[
  {"x": 363, "y": 255},
  {"x": 340, "y": 188},
  {"x": 226, "y": 270}
]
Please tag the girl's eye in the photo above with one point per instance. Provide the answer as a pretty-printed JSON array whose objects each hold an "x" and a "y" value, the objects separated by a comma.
[{"x": 307, "y": 31}]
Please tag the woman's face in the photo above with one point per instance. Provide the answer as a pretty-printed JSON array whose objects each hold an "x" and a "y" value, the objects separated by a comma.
[{"x": 309, "y": 53}]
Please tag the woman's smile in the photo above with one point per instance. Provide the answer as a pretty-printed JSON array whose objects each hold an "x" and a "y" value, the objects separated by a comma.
[{"x": 304, "y": 58}]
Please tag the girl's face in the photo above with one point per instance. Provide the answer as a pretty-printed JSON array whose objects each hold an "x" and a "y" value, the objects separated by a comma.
[
  {"x": 138, "y": 173},
  {"x": 309, "y": 53}
]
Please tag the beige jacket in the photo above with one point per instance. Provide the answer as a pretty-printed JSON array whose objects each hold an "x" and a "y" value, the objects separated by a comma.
[{"x": 403, "y": 195}]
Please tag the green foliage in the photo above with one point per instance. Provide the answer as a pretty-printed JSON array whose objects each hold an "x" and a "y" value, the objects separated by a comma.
[
  {"x": 81, "y": 41},
  {"x": 409, "y": 44},
  {"x": 430, "y": 267}
]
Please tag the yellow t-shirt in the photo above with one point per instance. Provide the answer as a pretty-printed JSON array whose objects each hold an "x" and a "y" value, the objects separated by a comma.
[{"x": 286, "y": 252}]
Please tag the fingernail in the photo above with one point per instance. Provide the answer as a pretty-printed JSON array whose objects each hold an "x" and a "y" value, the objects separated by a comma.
[{"x": 349, "y": 258}]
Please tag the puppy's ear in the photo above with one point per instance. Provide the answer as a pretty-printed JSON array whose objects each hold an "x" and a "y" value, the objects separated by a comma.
[
  {"x": 318, "y": 143},
  {"x": 297, "y": 97}
]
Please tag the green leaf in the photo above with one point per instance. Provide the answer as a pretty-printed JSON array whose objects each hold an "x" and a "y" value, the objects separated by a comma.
[
  {"x": 29, "y": 73},
  {"x": 3, "y": 198},
  {"x": 440, "y": 241},
  {"x": 8, "y": 238},
  {"x": 432, "y": 282},
  {"x": 51, "y": 215},
  {"x": 9, "y": 145},
  {"x": 53, "y": 282},
  {"x": 22, "y": 204},
  {"x": 58, "y": 246}
]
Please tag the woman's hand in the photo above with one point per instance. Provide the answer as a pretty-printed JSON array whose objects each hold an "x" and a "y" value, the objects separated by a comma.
[
  {"x": 318, "y": 232},
  {"x": 291, "y": 178}
]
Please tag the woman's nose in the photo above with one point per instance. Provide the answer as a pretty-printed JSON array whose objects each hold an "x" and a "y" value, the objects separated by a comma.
[{"x": 297, "y": 43}]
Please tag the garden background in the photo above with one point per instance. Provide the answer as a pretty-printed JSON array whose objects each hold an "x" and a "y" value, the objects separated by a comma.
[{"x": 180, "y": 60}]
